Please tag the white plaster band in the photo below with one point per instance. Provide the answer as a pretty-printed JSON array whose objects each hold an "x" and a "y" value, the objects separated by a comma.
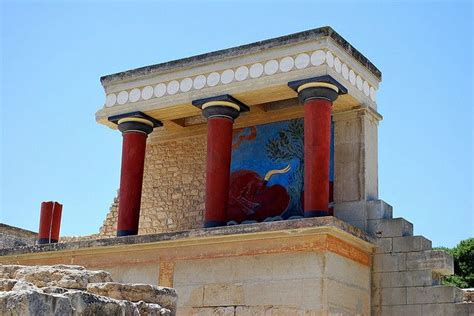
[
  {"x": 135, "y": 119},
  {"x": 221, "y": 103},
  {"x": 318, "y": 85}
]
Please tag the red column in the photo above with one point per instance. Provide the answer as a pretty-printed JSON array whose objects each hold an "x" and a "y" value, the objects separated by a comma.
[
  {"x": 219, "y": 149},
  {"x": 317, "y": 138},
  {"x": 135, "y": 131},
  {"x": 50, "y": 222},
  {"x": 131, "y": 179}
]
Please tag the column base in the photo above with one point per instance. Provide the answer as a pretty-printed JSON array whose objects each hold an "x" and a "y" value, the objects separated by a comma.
[
  {"x": 308, "y": 214},
  {"x": 121, "y": 233},
  {"x": 44, "y": 241},
  {"x": 209, "y": 224}
]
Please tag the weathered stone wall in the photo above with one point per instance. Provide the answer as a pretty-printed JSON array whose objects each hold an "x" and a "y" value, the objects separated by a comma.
[
  {"x": 173, "y": 188},
  {"x": 73, "y": 290},
  {"x": 11, "y": 237}
]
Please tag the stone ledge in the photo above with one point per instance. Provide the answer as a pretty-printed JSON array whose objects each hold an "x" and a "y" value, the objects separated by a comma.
[{"x": 290, "y": 226}]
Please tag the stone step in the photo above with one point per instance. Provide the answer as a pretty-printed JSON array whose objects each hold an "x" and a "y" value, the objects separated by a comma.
[
  {"x": 357, "y": 213},
  {"x": 389, "y": 262},
  {"x": 404, "y": 279},
  {"x": 395, "y": 227},
  {"x": 446, "y": 309},
  {"x": 410, "y": 244},
  {"x": 438, "y": 261},
  {"x": 434, "y": 294},
  {"x": 379, "y": 209},
  {"x": 464, "y": 309}
]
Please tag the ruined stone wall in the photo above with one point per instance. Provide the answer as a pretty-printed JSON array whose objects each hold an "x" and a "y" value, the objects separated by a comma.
[
  {"x": 11, "y": 237},
  {"x": 73, "y": 290},
  {"x": 173, "y": 188}
]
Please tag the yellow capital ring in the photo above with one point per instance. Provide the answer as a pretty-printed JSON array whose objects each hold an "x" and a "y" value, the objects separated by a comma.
[
  {"x": 135, "y": 119},
  {"x": 221, "y": 103},
  {"x": 318, "y": 85}
]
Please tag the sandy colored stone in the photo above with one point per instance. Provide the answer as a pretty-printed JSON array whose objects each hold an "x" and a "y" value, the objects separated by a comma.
[
  {"x": 58, "y": 290},
  {"x": 173, "y": 188},
  {"x": 163, "y": 296},
  {"x": 7, "y": 284},
  {"x": 72, "y": 277}
]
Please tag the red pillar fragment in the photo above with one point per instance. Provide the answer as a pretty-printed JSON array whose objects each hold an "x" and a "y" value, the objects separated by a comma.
[{"x": 50, "y": 222}]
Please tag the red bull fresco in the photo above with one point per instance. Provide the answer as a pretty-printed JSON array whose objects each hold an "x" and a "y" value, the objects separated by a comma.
[{"x": 267, "y": 172}]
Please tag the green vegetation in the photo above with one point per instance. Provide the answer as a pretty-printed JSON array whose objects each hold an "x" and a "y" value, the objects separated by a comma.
[{"x": 463, "y": 255}]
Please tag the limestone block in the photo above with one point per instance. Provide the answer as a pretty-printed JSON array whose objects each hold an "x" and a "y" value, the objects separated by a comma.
[
  {"x": 164, "y": 296},
  {"x": 384, "y": 245},
  {"x": 389, "y": 262},
  {"x": 464, "y": 309},
  {"x": 396, "y": 227},
  {"x": 343, "y": 298},
  {"x": 352, "y": 211},
  {"x": 407, "y": 310},
  {"x": 223, "y": 294},
  {"x": 135, "y": 273},
  {"x": 355, "y": 155},
  {"x": 239, "y": 269},
  {"x": 273, "y": 311},
  {"x": 347, "y": 271},
  {"x": 438, "y": 261},
  {"x": 149, "y": 309},
  {"x": 190, "y": 295},
  {"x": 402, "y": 278},
  {"x": 88, "y": 304},
  {"x": 213, "y": 311},
  {"x": 33, "y": 302},
  {"x": 379, "y": 209},
  {"x": 361, "y": 211},
  {"x": 439, "y": 309},
  {"x": 393, "y": 296},
  {"x": 291, "y": 293},
  {"x": 411, "y": 243},
  {"x": 434, "y": 295},
  {"x": 252, "y": 310},
  {"x": 7, "y": 284},
  {"x": 71, "y": 277}
]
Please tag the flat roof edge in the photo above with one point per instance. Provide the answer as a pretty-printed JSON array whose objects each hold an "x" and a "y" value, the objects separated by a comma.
[{"x": 325, "y": 31}]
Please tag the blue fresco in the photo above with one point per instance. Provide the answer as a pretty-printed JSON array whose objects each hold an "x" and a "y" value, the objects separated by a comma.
[{"x": 257, "y": 150}]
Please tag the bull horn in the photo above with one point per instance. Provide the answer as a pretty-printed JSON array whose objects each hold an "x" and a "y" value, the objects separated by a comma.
[{"x": 276, "y": 171}]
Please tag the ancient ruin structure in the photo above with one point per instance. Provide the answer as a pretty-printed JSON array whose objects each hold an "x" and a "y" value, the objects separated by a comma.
[
  {"x": 249, "y": 183},
  {"x": 72, "y": 290}
]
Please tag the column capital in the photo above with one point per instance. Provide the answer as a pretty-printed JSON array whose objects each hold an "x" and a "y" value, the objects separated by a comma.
[
  {"x": 135, "y": 121},
  {"x": 221, "y": 106},
  {"x": 323, "y": 87}
]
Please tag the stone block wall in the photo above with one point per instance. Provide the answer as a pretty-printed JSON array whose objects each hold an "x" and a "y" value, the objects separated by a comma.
[
  {"x": 11, "y": 237},
  {"x": 406, "y": 271},
  {"x": 173, "y": 188},
  {"x": 306, "y": 283}
]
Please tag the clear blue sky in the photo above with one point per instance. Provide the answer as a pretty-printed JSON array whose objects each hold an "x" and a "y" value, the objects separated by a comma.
[{"x": 53, "y": 54}]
